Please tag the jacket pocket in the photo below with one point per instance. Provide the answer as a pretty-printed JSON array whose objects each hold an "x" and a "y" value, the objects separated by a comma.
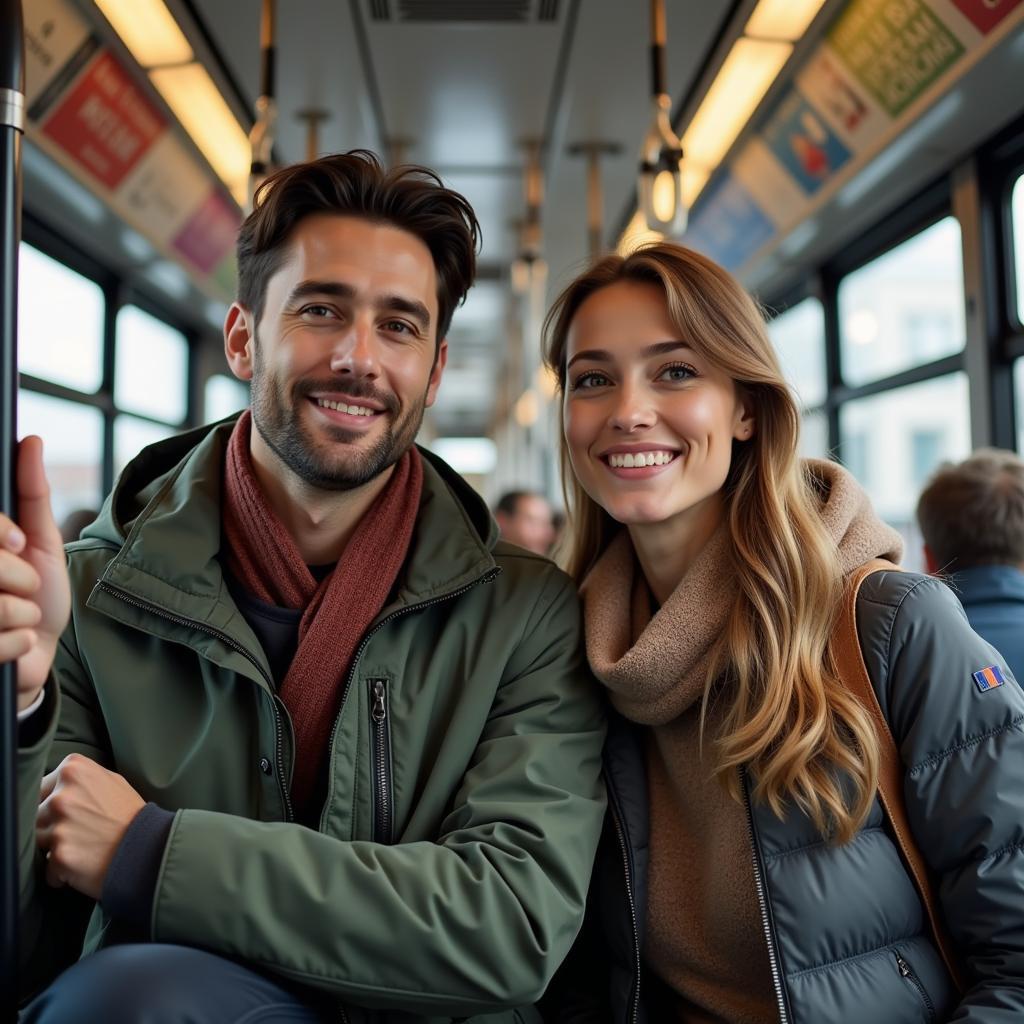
[
  {"x": 380, "y": 760},
  {"x": 910, "y": 976}
]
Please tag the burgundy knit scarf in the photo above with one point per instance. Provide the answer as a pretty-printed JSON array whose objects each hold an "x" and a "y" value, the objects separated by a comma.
[{"x": 263, "y": 558}]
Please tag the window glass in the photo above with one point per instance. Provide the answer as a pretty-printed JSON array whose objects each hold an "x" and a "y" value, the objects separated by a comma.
[
  {"x": 222, "y": 396},
  {"x": 799, "y": 338},
  {"x": 892, "y": 442},
  {"x": 72, "y": 436},
  {"x": 904, "y": 308},
  {"x": 60, "y": 323},
  {"x": 132, "y": 435},
  {"x": 150, "y": 367},
  {"x": 1017, "y": 206},
  {"x": 814, "y": 435}
]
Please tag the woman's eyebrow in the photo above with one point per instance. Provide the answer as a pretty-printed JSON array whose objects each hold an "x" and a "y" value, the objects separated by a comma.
[{"x": 598, "y": 355}]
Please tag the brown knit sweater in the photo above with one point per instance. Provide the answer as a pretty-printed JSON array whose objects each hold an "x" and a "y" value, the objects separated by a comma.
[{"x": 704, "y": 934}]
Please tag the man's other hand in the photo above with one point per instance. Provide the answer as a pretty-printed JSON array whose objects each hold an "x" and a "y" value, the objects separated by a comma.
[
  {"x": 84, "y": 812},
  {"x": 35, "y": 597}
]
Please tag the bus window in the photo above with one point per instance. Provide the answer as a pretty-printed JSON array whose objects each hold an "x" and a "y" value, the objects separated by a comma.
[
  {"x": 799, "y": 338},
  {"x": 151, "y": 367},
  {"x": 905, "y": 308},
  {"x": 814, "y": 435},
  {"x": 894, "y": 440},
  {"x": 72, "y": 434},
  {"x": 222, "y": 396},
  {"x": 131, "y": 435},
  {"x": 60, "y": 324}
]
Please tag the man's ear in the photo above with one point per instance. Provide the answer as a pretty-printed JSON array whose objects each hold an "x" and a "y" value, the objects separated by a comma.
[
  {"x": 240, "y": 341},
  {"x": 436, "y": 372},
  {"x": 931, "y": 564}
]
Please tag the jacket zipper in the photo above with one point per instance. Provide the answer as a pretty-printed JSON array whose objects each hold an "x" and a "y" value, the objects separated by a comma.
[
  {"x": 398, "y": 612},
  {"x": 906, "y": 971},
  {"x": 620, "y": 832},
  {"x": 224, "y": 638},
  {"x": 762, "y": 899},
  {"x": 381, "y": 754}
]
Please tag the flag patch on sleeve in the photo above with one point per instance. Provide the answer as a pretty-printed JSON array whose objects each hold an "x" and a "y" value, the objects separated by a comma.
[{"x": 989, "y": 678}]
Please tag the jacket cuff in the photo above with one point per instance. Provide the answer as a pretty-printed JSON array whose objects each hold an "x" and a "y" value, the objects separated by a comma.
[
  {"x": 35, "y": 721},
  {"x": 130, "y": 885}
]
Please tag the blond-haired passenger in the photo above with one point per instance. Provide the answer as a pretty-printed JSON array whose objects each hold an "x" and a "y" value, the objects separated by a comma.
[{"x": 747, "y": 873}]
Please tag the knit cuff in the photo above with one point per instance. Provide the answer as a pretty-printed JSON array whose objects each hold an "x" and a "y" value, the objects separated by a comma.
[{"x": 130, "y": 885}]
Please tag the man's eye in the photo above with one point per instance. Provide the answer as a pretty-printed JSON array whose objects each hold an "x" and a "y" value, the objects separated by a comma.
[
  {"x": 318, "y": 312},
  {"x": 589, "y": 381},
  {"x": 398, "y": 327}
]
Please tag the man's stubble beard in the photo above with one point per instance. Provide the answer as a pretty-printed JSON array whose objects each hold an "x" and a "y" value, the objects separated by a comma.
[{"x": 275, "y": 415}]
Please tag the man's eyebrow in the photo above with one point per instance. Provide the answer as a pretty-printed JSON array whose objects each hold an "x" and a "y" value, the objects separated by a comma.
[
  {"x": 306, "y": 289},
  {"x": 339, "y": 290},
  {"x": 598, "y": 355}
]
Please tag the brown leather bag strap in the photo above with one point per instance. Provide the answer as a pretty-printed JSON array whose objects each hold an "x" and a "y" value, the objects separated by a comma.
[{"x": 849, "y": 663}]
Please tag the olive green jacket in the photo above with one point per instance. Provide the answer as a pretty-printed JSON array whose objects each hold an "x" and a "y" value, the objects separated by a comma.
[{"x": 449, "y": 872}]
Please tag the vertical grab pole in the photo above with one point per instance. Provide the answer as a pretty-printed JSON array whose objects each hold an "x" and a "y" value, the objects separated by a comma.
[{"x": 12, "y": 124}]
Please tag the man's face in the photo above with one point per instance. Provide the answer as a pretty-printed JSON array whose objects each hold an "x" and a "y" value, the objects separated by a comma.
[
  {"x": 342, "y": 361},
  {"x": 531, "y": 526}
]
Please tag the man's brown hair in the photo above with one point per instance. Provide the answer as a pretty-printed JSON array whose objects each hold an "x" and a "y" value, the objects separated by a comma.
[
  {"x": 355, "y": 184},
  {"x": 972, "y": 513}
]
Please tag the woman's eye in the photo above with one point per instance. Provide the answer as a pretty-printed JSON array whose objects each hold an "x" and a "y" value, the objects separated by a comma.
[
  {"x": 677, "y": 373},
  {"x": 588, "y": 381}
]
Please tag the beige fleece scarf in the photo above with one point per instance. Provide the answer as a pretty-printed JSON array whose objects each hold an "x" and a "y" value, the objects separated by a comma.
[{"x": 659, "y": 674}]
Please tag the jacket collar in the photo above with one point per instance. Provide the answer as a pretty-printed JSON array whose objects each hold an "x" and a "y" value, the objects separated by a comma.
[
  {"x": 983, "y": 584},
  {"x": 164, "y": 514}
]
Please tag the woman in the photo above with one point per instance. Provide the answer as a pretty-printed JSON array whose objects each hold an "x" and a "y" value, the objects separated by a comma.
[{"x": 747, "y": 874}]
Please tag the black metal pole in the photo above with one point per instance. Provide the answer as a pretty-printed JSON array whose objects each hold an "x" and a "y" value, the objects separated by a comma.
[{"x": 12, "y": 123}]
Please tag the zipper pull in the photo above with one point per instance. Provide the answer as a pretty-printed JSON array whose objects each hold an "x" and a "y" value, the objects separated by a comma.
[
  {"x": 380, "y": 711},
  {"x": 903, "y": 966}
]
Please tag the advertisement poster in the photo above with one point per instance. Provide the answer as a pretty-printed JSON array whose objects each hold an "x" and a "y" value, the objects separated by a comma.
[
  {"x": 164, "y": 190},
  {"x": 986, "y": 14},
  {"x": 894, "y": 48},
  {"x": 728, "y": 225},
  {"x": 210, "y": 234},
  {"x": 768, "y": 183},
  {"x": 57, "y": 45},
  {"x": 847, "y": 108},
  {"x": 105, "y": 124},
  {"x": 803, "y": 142}
]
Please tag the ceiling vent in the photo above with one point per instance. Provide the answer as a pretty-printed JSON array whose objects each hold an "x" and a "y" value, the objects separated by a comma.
[{"x": 515, "y": 11}]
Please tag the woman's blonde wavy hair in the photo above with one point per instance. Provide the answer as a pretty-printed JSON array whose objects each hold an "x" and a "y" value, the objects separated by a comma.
[{"x": 803, "y": 738}]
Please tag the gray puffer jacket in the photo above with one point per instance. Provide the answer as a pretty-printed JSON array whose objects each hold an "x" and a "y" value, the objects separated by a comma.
[{"x": 847, "y": 934}]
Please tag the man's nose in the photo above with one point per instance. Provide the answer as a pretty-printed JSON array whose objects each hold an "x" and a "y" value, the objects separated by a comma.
[{"x": 356, "y": 351}]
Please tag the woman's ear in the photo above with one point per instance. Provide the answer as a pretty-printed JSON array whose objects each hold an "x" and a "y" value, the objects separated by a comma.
[{"x": 744, "y": 426}]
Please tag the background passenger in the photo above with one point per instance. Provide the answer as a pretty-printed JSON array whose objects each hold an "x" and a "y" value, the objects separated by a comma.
[
  {"x": 747, "y": 874},
  {"x": 972, "y": 520},
  {"x": 316, "y": 741},
  {"x": 525, "y": 518}
]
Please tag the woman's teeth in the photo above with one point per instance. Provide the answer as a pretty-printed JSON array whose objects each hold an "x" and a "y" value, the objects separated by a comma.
[{"x": 636, "y": 460}]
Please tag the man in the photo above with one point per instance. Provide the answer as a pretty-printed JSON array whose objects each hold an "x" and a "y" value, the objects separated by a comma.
[
  {"x": 525, "y": 518},
  {"x": 972, "y": 521},
  {"x": 314, "y": 745}
]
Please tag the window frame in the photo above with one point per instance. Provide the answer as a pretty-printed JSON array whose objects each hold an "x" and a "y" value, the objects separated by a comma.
[{"x": 117, "y": 293}]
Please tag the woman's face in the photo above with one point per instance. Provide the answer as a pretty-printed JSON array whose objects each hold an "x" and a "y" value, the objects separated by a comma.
[{"x": 649, "y": 422}]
